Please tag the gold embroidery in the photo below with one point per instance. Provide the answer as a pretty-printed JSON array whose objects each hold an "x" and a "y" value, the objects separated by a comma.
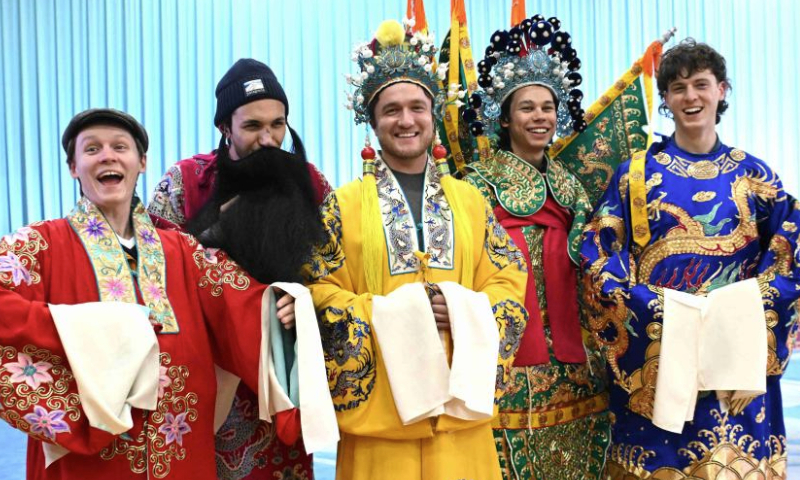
[
  {"x": 218, "y": 271},
  {"x": 567, "y": 413},
  {"x": 616, "y": 313},
  {"x": 790, "y": 227},
  {"x": 598, "y": 159},
  {"x": 520, "y": 188},
  {"x": 663, "y": 158},
  {"x": 654, "y": 181},
  {"x": 152, "y": 446},
  {"x": 704, "y": 196},
  {"x": 762, "y": 414},
  {"x": 691, "y": 237},
  {"x": 720, "y": 454},
  {"x": 738, "y": 155},
  {"x": 702, "y": 169}
]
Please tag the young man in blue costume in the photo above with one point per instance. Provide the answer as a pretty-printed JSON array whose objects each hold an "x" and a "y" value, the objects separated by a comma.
[{"x": 691, "y": 256}]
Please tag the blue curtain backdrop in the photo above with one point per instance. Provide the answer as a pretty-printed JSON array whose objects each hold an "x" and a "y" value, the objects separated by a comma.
[{"x": 160, "y": 61}]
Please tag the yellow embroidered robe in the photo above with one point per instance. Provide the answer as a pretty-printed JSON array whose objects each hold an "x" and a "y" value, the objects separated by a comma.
[{"x": 375, "y": 443}]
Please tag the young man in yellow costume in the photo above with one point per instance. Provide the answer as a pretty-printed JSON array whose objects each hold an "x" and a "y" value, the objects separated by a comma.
[{"x": 418, "y": 289}]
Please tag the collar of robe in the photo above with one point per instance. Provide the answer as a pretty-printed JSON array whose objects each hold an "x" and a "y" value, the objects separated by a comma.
[
  {"x": 398, "y": 224},
  {"x": 115, "y": 281},
  {"x": 521, "y": 190}
]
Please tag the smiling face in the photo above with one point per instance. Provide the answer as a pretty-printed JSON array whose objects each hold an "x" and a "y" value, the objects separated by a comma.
[
  {"x": 693, "y": 102},
  {"x": 107, "y": 163},
  {"x": 531, "y": 121},
  {"x": 403, "y": 123},
  {"x": 256, "y": 125}
]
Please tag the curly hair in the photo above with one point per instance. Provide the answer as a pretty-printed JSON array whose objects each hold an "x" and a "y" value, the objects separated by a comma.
[{"x": 686, "y": 59}]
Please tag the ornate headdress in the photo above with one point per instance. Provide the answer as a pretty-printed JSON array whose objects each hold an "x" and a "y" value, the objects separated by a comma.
[
  {"x": 394, "y": 55},
  {"x": 535, "y": 52}
]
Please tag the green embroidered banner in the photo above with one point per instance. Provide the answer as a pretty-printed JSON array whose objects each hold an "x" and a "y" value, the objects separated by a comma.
[{"x": 617, "y": 128}]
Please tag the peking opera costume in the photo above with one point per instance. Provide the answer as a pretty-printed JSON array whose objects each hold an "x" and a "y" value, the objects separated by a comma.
[
  {"x": 691, "y": 268},
  {"x": 553, "y": 421},
  {"x": 101, "y": 388},
  {"x": 411, "y": 404}
]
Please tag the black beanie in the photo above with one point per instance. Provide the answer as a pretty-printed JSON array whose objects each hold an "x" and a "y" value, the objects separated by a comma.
[{"x": 247, "y": 80}]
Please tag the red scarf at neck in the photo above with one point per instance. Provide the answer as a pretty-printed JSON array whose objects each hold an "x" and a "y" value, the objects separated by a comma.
[{"x": 561, "y": 284}]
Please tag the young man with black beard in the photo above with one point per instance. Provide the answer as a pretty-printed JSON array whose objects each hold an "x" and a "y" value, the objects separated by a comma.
[{"x": 259, "y": 204}]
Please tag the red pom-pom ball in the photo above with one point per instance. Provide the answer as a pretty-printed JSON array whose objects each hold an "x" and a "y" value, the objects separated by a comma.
[{"x": 368, "y": 153}]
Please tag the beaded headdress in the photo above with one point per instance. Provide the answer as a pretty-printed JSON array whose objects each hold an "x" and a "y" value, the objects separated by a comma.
[
  {"x": 535, "y": 52},
  {"x": 394, "y": 55}
]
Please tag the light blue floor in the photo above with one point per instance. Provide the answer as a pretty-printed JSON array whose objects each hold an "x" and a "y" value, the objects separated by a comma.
[{"x": 12, "y": 443}]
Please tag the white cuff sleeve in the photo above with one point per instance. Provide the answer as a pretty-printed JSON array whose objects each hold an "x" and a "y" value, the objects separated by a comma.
[
  {"x": 734, "y": 353},
  {"x": 717, "y": 342},
  {"x": 227, "y": 383},
  {"x": 317, "y": 415},
  {"x": 412, "y": 352},
  {"x": 476, "y": 345},
  {"x": 113, "y": 352},
  {"x": 676, "y": 383}
]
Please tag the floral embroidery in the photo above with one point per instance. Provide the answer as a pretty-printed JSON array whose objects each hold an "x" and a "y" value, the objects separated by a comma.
[
  {"x": 175, "y": 427},
  {"x": 13, "y": 264},
  {"x": 47, "y": 423},
  {"x": 33, "y": 378},
  {"x": 347, "y": 345},
  {"x": 28, "y": 371},
  {"x": 328, "y": 257},
  {"x": 104, "y": 252},
  {"x": 107, "y": 256},
  {"x": 218, "y": 270},
  {"x": 167, "y": 200},
  {"x": 164, "y": 381},
  {"x": 94, "y": 228},
  {"x": 114, "y": 289},
  {"x": 21, "y": 235},
  {"x": 152, "y": 271},
  {"x": 399, "y": 229},
  {"x": 153, "y": 290},
  {"x": 18, "y": 262},
  {"x": 210, "y": 255},
  {"x": 147, "y": 237},
  {"x": 161, "y": 440}
]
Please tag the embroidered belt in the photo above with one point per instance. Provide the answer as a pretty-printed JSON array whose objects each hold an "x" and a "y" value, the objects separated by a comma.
[{"x": 557, "y": 416}]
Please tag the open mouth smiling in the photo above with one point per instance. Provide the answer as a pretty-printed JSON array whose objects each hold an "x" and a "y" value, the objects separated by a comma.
[{"x": 110, "y": 178}]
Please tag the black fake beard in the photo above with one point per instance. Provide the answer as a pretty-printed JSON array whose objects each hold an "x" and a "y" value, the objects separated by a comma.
[{"x": 271, "y": 227}]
